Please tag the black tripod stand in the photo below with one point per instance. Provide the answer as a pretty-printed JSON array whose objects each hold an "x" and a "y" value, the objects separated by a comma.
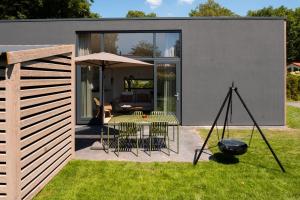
[{"x": 228, "y": 99}]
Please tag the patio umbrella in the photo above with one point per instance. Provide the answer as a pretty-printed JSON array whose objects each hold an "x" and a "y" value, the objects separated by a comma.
[{"x": 107, "y": 60}]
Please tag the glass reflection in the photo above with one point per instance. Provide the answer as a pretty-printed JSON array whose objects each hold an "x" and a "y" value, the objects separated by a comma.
[
  {"x": 168, "y": 45},
  {"x": 129, "y": 44}
]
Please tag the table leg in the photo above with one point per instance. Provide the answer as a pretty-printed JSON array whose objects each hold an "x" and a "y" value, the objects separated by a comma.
[
  {"x": 114, "y": 131},
  {"x": 107, "y": 138},
  {"x": 173, "y": 133},
  {"x": 177, "y": 139},
  {"x": 101, "y": 136}
]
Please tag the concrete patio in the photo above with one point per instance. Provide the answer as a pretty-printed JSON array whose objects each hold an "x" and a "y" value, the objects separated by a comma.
[{"x": 189, "y": 141}]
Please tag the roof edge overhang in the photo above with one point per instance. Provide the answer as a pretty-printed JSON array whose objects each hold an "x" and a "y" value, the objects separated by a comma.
[{"x": 145, "y": 18}]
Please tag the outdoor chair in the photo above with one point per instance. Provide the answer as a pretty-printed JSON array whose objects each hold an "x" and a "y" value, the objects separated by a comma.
[
  {"x": 107, "y": 108},
  {"x": 157, "y": 113},
  {"x": 138, "y": 113},
  {"x": 159, "y": 130},
  {"x": 140, "y": 127},
  {"x": 127, "y": 131}
]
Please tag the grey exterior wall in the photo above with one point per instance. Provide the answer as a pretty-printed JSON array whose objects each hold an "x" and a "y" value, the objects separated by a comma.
[{"x": 215, "y": 52}]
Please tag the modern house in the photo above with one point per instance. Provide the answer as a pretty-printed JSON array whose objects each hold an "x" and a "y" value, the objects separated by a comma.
[{"x": 194, "y": 60}]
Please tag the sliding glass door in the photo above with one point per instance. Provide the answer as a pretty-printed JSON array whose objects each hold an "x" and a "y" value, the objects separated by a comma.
[{"x": 167, "y": 96}]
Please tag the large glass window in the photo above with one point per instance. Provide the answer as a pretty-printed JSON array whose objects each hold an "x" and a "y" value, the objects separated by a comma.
[
  {"x": 155, "y": 47},
  {"x": 129, "y": 44},
  {"x": 168, "y": 44},
  {"x": 166, "y": 87}
]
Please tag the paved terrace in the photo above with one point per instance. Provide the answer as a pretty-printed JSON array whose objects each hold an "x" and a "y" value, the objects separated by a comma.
[
  {"x": 294, "y": 103},
  {"x": 189, "y": 141}
]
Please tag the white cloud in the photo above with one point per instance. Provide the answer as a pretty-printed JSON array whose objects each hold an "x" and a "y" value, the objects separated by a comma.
[
  {"x": 154, "y": 3},
  {"x": 186, "y": 1}
]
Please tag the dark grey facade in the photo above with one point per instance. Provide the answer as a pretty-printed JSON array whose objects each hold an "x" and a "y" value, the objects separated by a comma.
[{"x": 215, "y": 52}]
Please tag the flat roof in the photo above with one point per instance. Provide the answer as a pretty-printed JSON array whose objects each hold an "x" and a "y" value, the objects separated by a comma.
[{"x": 145, "y": 18}]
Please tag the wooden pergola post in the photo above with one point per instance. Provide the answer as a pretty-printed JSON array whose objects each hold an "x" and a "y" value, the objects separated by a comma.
[{"x": 12, "y": 100}]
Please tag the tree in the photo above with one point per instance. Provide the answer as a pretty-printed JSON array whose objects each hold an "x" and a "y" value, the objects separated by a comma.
[
  {"x": 34, "y": 9},
  {"x": 111, "y": 43},
  {"x": 210, "y": 8},
  {"x": 137, "y": 13},
  {"x": 143, "y": 48},
  {"x": 293, "y": 27}
]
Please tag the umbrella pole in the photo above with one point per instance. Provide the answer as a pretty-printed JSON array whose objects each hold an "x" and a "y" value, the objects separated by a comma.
[{"x": 102, "y": 94}]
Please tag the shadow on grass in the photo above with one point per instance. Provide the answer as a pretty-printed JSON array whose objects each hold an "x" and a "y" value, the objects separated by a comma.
[{"x": 223, "y": 158}]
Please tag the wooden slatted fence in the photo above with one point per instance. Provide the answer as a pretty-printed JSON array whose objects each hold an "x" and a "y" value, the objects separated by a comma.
[{"x": 37, "y": 118}]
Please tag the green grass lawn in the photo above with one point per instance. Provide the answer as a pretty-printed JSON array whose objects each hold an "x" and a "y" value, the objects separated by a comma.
[
  {"x": 293, "y": 117},
  {"x": 255, "y": 176}
]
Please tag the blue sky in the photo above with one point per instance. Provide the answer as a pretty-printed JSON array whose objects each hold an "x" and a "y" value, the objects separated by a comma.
[{"x": 180, "y": 8}]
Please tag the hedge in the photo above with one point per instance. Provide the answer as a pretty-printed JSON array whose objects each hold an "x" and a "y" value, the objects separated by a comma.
[{"x": 293, "y": 87}]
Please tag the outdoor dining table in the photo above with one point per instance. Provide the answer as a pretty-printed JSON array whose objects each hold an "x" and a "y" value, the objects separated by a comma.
[{"x": 144, "y": 121}]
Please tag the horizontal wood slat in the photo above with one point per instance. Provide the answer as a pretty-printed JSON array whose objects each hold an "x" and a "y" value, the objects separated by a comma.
[
  {"x": 44, "y": 132},
  {"x": 2, "y": 103},
  {"x": 49, "y": 66},
  {"x": 3, "y": 189},
  {"x": 43, "y": 124},
  {"x": 38, "y": 73},
  {"x": 28, "y": 195},
  {"x": 43, "y": 116},
  {"x": 42, "y": 91},
  {"x": 2, "y": 127},
  {"x": 3, "y": 137},
  {"x": 2, "y": 115},
  {"x": 44, "y": 107},
  {"x": 2, "y": 147},
  {"x": 3, "y": 168},
  {"x": 2, "y": 83},
  {"x": 44, "y": 141},
  {"x": 43, "y": 99},
  {"x": 59, "y": 59},
  {"x": 47, "y": 162},
  {"x": 62, "y": 140},
  {"x": 32, "y": 54},
  {"x": 2, "y": 93},
  {"x": 3, "y": 157},
  {"x": 44, "y": 82},
  {"x": 3, "y": 178}
]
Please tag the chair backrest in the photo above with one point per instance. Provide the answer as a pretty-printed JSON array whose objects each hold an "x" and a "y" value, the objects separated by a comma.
[
  {"x": 157, "y": 113},
  {"x": 138, "y": 113},
  {"x": 127, "y": 129},
  {"x": 97, "y": 102},
  {"x": 159, "y": 129}
]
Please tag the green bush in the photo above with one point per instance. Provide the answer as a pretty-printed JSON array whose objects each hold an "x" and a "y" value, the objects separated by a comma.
[{"x": 293, "y": 87}]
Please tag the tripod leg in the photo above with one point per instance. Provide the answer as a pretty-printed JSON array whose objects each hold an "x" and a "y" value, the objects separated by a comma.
[
  {"x": 260, "y": 131},
  {"x": 227, "y": 111},
  {"x": 197, "y": 157}
]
